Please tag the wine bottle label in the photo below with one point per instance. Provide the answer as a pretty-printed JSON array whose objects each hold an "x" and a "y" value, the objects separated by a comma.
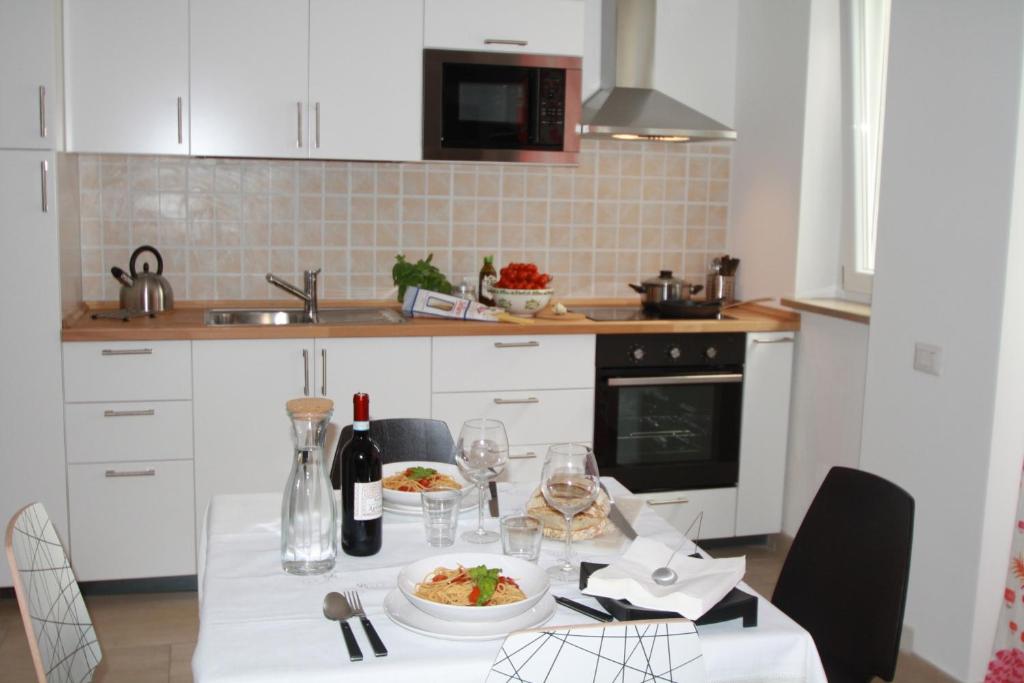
[
  {"x": 359, "y": 426},
  {"x": 367, "y": 501}
]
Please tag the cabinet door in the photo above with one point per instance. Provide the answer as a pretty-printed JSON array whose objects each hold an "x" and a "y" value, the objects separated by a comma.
[
  {"x": 530, "y": 417},
  {"x": 131, "y": 520},
  {"x": 242, "y": 434},
  {"x": 28, "y": 98},
  {"x": 706, "y": 513},
  {"x": 366, "y": 79},
  {"x": 31, "y": 420},
  {"x": 395, "y": 372},
  {"x": 536, "y": 26},
  {"x": 126, "y": 76},
  {"x": 249, "y": 75},
  {"x": 764, "y": 435}
]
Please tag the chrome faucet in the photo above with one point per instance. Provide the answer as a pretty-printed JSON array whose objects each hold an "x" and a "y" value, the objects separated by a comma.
[{"x": 310, "y": 308}]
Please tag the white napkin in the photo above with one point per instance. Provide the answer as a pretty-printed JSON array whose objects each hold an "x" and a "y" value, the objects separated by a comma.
[{"x": 701, "y": 583}]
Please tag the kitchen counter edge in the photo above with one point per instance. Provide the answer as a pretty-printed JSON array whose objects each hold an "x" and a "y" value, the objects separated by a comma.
[{"x": 186, "y": 323}]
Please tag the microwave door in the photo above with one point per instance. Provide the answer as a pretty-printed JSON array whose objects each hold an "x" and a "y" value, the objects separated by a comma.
[{"x": 486, "y": 107}]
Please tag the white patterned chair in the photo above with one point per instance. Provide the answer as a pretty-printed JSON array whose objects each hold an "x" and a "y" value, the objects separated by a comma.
[{"x": 60, "y": 633}]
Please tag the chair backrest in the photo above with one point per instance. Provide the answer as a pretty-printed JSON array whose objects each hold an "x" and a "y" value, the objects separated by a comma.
[
  {"x": 404, "y": 438},
  {"x": 60, "y": 633},
  {"x": 845, "y": 577}
]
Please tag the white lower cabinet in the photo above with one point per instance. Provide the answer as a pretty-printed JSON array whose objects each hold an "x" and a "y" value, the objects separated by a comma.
[
  {"x": 131, "y": 520},
  {"x": 530, "y": 417},
  {"x": 682, "y": 508},
  {"x": 121, "y": 432}
]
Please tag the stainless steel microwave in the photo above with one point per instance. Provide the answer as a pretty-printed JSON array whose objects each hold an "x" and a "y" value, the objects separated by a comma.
[{"x": 499, "y": 106}]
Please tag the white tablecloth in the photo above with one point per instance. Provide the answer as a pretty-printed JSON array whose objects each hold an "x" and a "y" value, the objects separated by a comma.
[{"x": 259, "y": 624}]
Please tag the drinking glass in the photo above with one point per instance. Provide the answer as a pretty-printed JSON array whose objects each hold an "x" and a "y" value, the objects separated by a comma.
[
  {"x": 569, "y": 483},
  {"x": 481, "y": 453},
  {"x": 521, "y": 535},
  {"x": 441, "y": 515}
]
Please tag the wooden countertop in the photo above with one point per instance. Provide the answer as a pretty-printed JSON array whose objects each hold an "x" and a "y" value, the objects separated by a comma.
[{"x": 186, "y": 322}]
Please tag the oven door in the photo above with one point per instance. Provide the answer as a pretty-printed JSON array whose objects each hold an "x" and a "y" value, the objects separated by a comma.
[{"x": 669, "y": 429}]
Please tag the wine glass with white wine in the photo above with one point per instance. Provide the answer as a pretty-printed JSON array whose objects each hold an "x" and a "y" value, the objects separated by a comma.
[
  {"x": 481, "y": 453},
  {"x": 569, "y": 483}
]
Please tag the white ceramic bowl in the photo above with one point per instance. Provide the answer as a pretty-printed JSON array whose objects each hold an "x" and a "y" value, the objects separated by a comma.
[
  {"x": 521, "y": 301},
  {"x": 531, "y": 579},
  {"x": 413, "y": 498}
]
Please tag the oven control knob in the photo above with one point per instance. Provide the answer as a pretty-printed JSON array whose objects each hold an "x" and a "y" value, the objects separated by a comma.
[
  {"x": 710, "y": 352},
  {"x": 636, "y": 353},
  {"x": 674, "y": 353}
]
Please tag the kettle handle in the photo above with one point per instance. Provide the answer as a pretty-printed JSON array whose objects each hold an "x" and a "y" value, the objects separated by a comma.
[
  {"x": 121, "y": 276},
  {"x": 141, "y": 250}
]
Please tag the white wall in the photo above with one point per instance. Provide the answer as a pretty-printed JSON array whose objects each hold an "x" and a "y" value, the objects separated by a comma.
[
  {"x": 771, "y": 79},
  {"x": 826, "y": 408},
  {"x": 947, "y": 185}
]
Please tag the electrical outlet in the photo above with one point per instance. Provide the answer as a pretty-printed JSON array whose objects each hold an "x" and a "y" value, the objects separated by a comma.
[{"x": 927, "y": 358}]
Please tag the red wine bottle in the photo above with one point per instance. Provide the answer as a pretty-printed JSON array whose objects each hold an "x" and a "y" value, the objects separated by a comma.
[{"x": 361, "y": 490}]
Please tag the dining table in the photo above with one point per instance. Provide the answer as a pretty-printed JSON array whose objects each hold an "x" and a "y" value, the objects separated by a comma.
[{"x": 259, "y": 624}]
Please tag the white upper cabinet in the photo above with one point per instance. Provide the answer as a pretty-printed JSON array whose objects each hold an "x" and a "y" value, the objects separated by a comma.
[
  {"x": 250, "y": 78},
  {"x": 126, "y": 76},
  {"x": 535, "y": 26},
  {"x": 28, "y": 102},
  {"x": 365, "y": 79}
]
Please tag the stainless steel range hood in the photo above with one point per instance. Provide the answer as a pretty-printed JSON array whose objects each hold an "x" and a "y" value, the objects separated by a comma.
[{"x": 628, "y": 107}]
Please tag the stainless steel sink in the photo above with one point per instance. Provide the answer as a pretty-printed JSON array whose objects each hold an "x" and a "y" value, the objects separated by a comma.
[{"x": 296, "y": 316}]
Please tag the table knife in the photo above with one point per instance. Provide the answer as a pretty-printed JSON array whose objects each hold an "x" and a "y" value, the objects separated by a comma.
[
  {"x": 618, "y": 519},
  {"x": 494, "y": 497},
  {"x": 583, "y": 609}
]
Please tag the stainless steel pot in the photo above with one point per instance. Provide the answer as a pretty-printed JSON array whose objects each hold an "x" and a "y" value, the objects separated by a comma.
[
  {"x": 664, "y": 288},
  {"x": 146, "y": 291}
]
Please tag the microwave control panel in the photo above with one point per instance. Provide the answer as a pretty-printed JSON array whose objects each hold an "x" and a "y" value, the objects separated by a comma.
[{"x": 551, "y": 106}]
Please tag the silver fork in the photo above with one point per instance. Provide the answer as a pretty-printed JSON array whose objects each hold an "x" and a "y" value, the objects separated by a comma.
[{"x": 371, "y": 633}]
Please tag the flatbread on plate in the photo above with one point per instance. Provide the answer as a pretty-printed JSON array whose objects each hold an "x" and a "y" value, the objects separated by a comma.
[{"x": 588, "y": 524}]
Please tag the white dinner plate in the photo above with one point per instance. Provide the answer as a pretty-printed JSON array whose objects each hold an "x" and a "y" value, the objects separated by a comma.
[
  {"x": 468, "y": 503},
  {"x": 410, "y": 617}
]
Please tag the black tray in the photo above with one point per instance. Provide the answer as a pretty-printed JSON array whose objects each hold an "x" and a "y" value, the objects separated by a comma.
[{"x": 735, "y": 605}]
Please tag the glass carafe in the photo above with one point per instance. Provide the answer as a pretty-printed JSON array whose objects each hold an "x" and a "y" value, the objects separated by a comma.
[{"x": 309, "y": 514}]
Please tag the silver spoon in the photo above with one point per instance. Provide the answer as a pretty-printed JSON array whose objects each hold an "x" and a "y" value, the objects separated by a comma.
[
  {"x": 666, "y": 576},
  {"x": 336, "y": 608}
]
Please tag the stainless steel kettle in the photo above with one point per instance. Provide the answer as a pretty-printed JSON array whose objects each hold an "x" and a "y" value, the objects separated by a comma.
[{"x": 146, "y": 291}]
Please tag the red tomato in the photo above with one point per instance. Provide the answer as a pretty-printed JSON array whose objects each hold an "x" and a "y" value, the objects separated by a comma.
[{"x": 474, "y": 595}]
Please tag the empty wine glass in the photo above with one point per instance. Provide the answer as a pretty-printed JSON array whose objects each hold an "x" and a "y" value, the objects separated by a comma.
[
  {"x": 481, "y": 453},
  {"x": 569, "y": 482}
]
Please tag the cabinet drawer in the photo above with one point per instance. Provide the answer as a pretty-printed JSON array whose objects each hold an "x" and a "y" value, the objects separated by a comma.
[
  {"x": 530, "y": 417},
  {"x": 127, "y": 371},
  {"x": 520, "y": 362},
  {"x": 680, "y": 508},
  {"x": 131, "y": 520},
  {"x": 120, "y": 432},
  {"x": 534, "y": 26}
]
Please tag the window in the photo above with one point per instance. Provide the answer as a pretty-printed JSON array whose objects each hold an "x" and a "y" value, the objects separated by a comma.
[{"x": 866, "y": 25}]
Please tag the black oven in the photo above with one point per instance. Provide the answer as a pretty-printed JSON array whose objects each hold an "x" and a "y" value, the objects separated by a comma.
[
  {"x": 499, "y": 106},
  {"x": 667, "y": 409}
]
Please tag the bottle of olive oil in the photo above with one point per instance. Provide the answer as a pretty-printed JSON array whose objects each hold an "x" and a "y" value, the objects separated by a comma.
[{"x": 488, "y": 276}]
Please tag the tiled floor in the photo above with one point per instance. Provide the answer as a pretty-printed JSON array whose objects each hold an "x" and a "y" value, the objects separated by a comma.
[{"x": 150, "y": 637}]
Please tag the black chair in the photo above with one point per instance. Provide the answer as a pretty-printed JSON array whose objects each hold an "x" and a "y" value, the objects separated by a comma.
[
  {"x": 403, "y": 438},
  {"x": 845, "y": 577}
]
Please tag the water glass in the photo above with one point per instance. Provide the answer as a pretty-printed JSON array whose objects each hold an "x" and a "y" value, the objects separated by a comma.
[
  {"x": 521, "y": 536},
  {"x": 441, "y": 515}
]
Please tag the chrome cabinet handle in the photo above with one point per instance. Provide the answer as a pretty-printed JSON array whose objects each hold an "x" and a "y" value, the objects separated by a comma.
[
  {"x": 513, "y": 401},
  {"x": 522, "y": 456},
  {"x": 323, "y": 372},
  {"x": 126, "y": 352},
  {"x": 316, "y": 110},
  {"x": 305, "y": 370},
  {"x": 129, "y": 413},
  {"x": 42, "y": 111},
  {"x": 671, "y": 501},
  {"x": 780, "y": 340},
  {"x": 516, "y": 345},
  {"x": 181, "y": 124},
  {"x": 505, "y": 41},
  {"x": 110, "y": 474},
  {"x": 696, "y": 378},
  {"x": 298, "y": 139},
  {"x": 44, "y": 173}
]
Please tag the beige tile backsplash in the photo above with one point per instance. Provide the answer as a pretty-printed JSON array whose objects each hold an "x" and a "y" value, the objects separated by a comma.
[{"x": 625, "y": 212}]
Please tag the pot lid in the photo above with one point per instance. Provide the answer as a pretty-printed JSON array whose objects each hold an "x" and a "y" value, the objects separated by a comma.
[{"x": 664, "y": 278}]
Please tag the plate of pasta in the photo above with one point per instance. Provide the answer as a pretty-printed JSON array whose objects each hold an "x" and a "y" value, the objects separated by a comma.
[
  {"x": 473, "y": 587},
  {"x": 404, "y": 481}
]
